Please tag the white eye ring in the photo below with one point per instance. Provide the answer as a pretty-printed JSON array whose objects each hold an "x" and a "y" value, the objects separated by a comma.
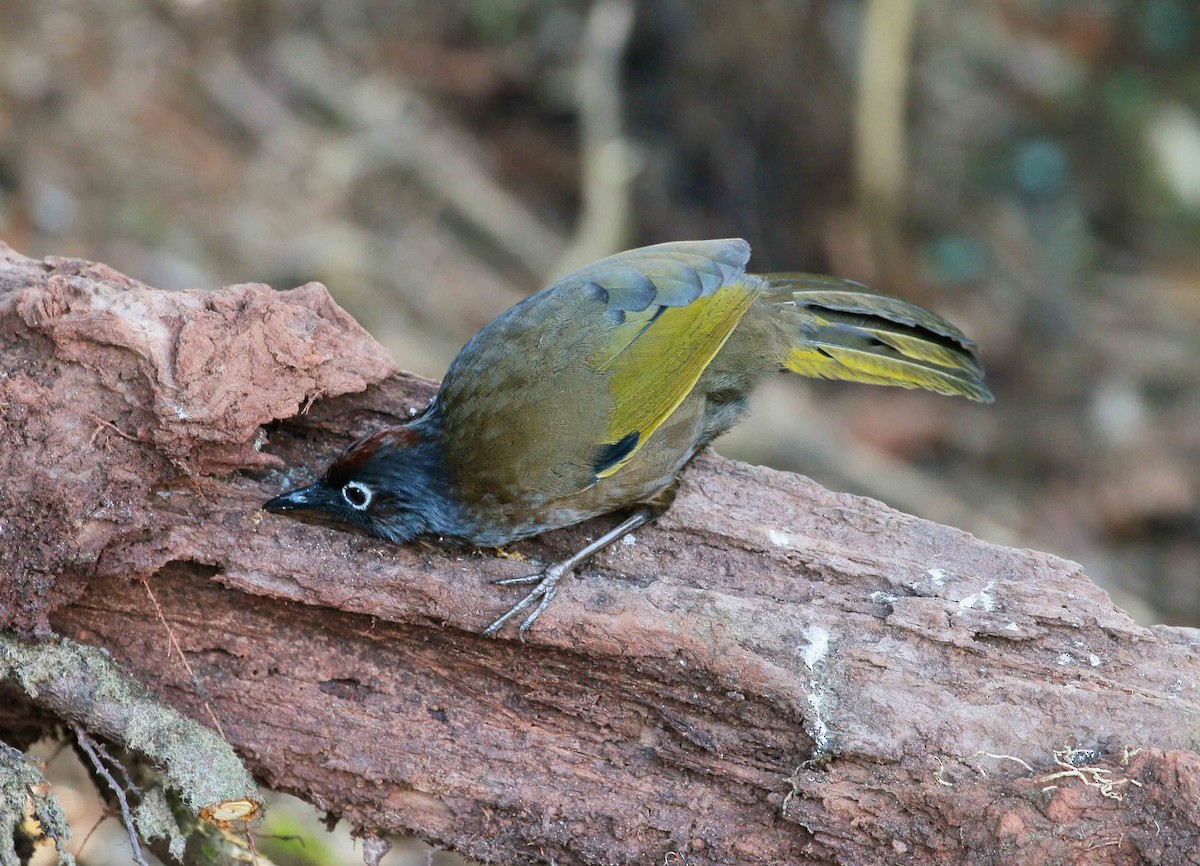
[{"x": 357, "y": 495}]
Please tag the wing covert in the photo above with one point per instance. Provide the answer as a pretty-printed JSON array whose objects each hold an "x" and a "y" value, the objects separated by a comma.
[{"x": 656, "y": 352}]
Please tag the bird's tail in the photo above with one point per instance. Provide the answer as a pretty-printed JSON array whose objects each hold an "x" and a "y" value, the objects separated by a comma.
[{"x": 845, "y": 331}]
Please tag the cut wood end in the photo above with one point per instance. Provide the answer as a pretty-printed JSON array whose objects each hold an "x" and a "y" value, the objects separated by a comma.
[{"x": 223, "y": 813}]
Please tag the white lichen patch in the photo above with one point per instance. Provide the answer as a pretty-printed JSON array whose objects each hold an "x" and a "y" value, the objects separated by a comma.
[
  {"x": 1066, "y": 659},
  {"x": 984, "y": 599},
  {"x": 155, "y": 821},
  {"x": 629, "y": 540},
  {"x": 1094, "y": 660},
  {"x": 814, "y": 653},
  {"x": 881, "y": 597},
  {"x": 820, "y": 731},
  {"x": 818, "y": 646},
  {"x": 1012, "y": 626},
  {"x": 937, "y": 576},
  {"x": 779, "y": 539}
]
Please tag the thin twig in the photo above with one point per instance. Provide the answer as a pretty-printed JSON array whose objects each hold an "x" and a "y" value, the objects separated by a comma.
[
  {"x": 284, "y": 837},
  {"x": 113, "y": 762},
  {"x": 1099, "y": 778},
  {"x": 1024, "y": 764},
  {"x": 312, "y": 398},
  {"x": 179, "y": 652},
  {"x": 58, "y": 750},
  {"x": 89, "y": 747},
  {"x": 87, "y": 838},
  {"x": 113, "y": 427},
  {"x": 253, "y": 849}
]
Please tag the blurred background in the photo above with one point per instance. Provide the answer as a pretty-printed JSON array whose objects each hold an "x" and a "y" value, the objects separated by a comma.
[{"x": 1028, "y": 168}]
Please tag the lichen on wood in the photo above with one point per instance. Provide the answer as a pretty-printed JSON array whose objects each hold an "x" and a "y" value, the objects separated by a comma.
[
  {"x": 82, "y": 684},
  {"x": 22, "y": 786}
]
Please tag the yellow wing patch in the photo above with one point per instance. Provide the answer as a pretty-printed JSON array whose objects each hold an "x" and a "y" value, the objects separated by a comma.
[{"x": 656, "y": 357}]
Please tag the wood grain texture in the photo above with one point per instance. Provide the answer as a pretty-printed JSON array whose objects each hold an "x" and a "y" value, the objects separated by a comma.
[{"x": 774, "y": 673}]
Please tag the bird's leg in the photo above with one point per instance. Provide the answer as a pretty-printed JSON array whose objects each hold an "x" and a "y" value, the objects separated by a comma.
[{"x": 547, "y": 579}]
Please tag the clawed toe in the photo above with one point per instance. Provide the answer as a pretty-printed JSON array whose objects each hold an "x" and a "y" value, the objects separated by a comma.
[
  {"x": 547, "y": 581},
  {"x": 547, "y": 586},
  {"x": 520, "y": 581}
]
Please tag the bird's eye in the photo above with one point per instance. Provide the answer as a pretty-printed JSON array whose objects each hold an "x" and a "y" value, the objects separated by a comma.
[{"x": 358, "y": 495}]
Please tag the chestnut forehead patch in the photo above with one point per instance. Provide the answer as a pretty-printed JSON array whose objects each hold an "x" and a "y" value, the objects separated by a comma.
[{"x": 353, "y": 458}]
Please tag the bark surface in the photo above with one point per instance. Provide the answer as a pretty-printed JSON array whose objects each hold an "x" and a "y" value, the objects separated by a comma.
[{"x": 774, "y": 673}]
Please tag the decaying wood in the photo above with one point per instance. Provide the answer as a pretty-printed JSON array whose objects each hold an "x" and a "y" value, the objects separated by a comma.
[{"x": 773, "y": 674}]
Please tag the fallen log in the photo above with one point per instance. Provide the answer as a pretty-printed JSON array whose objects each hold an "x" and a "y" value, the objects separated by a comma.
[{"x": 774, "y": 673}]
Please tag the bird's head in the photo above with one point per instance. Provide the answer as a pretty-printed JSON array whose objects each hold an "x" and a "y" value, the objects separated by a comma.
[{"x": 389, "y": 484}]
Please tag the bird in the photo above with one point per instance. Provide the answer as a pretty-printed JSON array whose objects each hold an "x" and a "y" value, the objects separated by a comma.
[{"x": 591, "y": 396}]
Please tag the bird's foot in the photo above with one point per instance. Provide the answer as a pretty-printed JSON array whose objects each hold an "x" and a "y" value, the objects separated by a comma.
[
  {"x": 546, "y": 586},
  {"x": 547, "y": 580}
]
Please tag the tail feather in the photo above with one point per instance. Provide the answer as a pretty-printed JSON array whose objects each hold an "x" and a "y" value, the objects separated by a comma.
[{"x": 847, "y": 332}]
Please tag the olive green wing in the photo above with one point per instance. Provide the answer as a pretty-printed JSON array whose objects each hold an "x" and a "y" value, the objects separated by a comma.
[
  {"x": 565, "y": 388},
  {"x": 654, "y": 356}
]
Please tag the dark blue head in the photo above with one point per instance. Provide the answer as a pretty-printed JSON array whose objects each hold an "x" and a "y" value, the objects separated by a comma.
[{"x": 390, "y": 484}]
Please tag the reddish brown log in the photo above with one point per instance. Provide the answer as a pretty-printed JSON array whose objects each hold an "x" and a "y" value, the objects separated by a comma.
[{"x": 773, "y": 674}]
